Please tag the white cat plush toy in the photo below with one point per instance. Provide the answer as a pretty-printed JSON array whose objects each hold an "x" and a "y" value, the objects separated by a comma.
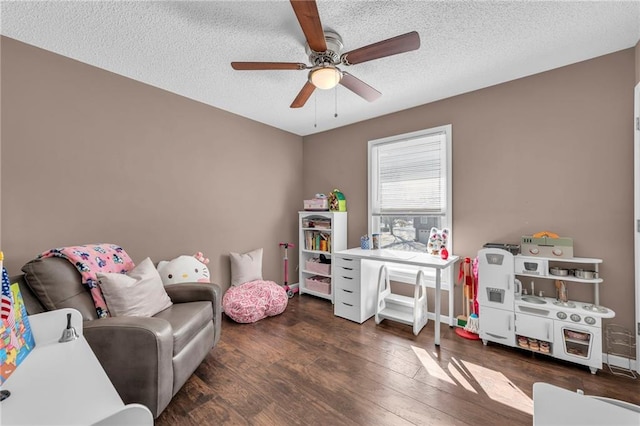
[
  {"x": 184, "y": 269},
  {"x": 438, "y": 239}
]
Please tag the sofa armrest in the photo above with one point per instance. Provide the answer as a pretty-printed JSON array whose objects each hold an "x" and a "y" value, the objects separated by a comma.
[
  {"x": 192, "y": 292},
  {"x": 137, "y": 355}
]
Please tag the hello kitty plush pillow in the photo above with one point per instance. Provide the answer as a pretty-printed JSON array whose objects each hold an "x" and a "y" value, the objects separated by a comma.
[
  {"x": 438, "y": 239},
  {"x": 184, "y": 269}
]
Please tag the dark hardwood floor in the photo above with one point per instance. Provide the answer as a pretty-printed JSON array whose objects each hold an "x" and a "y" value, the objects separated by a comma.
[{"x": 308, "y": 367}]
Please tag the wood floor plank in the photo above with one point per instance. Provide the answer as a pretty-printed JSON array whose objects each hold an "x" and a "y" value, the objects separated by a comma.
[{"x": 309, "y": 367}]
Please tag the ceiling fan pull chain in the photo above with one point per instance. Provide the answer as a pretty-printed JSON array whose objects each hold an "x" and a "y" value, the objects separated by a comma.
[
  {"x": 335, "y": 115},
  {"x": 315, "y": 110}
]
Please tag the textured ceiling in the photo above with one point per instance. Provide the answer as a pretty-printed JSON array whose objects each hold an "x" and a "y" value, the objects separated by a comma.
[{"x": 186, "y": 47}]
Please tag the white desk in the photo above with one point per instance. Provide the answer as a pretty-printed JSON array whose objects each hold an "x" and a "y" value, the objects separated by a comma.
[
  {"x": 421, "y": 260},
  {"x": 556, "y": 406},
  {"x": 63, "y": 383}
]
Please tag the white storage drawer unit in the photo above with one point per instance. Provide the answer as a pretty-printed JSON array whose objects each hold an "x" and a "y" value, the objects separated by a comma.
[
  {"x": 346, "y": 278},
  {"x": 356, "y": 285}
]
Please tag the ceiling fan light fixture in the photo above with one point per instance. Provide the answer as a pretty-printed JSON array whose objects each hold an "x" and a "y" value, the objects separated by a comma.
[{"x": 325, "y": 77}]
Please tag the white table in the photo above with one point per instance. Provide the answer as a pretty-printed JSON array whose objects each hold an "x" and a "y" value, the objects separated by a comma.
[
  {"x": 63, "y": 383},
  {"x": 421, "y": 260},
  {"x": 557, "y": 406}
]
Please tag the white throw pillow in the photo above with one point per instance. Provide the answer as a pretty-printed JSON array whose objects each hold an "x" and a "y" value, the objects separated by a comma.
[
  {"x": 246, "y": 267},
  {"x": 139, "y": 293}
]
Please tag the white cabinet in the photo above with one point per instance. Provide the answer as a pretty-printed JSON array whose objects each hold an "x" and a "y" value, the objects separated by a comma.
[
  {"x": 534, "y": 333},
  {"x": 321, "y": 234},
  {"x": 347, "y": 293},
  {"x": 534, "y": 327},
  {"x": 356, "y": 284},
  {"x": 497, "y": 325}
]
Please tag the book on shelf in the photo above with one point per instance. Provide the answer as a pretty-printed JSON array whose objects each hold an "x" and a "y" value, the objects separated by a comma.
[{"x": 317, "y": 240}]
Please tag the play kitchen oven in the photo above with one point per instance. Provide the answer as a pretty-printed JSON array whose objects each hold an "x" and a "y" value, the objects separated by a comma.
[{"x": 570, "y": 330}]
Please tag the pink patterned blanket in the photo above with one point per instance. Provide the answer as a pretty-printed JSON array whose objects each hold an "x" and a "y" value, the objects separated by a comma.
[{"x": 90, "y": 259}]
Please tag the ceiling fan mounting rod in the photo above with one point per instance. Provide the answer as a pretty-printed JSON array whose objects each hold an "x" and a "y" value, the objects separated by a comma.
[{"x": 329, "y": 56}]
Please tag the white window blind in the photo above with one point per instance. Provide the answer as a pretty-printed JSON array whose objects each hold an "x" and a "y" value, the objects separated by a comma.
[{"x": 410, "y": 176}]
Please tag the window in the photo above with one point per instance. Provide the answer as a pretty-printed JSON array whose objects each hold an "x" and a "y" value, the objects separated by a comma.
[{"x": 410, "y": 187}]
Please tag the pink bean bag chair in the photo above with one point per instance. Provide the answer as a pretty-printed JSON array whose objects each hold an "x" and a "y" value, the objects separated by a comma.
[{"x": 255, "y": 300}]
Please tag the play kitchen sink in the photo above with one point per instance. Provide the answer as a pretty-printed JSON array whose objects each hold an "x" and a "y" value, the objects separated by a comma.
[{"x": 534, "y": 299}]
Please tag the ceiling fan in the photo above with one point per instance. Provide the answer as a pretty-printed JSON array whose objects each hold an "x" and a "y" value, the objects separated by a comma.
[{"x": 324, "y": 51}]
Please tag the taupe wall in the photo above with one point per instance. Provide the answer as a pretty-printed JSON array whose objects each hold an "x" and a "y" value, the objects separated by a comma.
[
  {"x": 553, "y": 151},
  {"x": 90, "y": 156}
]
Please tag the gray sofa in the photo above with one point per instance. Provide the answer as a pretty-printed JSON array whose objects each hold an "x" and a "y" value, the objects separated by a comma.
[{"x": 147, "y": 359}]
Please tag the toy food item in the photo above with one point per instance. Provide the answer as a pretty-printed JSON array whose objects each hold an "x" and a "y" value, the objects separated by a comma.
[
  {"x": 547, "y": 234},
  {"x": 444, "y": 253},
  {"x": 544, "y": 347}
]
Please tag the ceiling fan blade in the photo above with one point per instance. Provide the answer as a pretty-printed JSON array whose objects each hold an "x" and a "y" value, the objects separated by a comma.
[
  {"x": 303, "y": 96},
  {"x": 399, "y": 44},
  {"x": 359, "y": 87},
  {"x": 250, "y": 66},
  {"x": 307, "y": 13}
]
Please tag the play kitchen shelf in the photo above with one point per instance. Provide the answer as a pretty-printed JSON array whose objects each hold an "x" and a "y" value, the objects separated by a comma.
[
  {"x": 567, "y": 330},
  {"x": 320, "y": 235},
  {"x": 558, "y": 269}
]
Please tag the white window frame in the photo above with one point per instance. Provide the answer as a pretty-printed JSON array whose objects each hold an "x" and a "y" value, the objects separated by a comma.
[{"x": 407, "y": 274}]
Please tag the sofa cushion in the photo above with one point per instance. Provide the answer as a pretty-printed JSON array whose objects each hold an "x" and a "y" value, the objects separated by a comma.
[
  {"x": 138, "y": 293},
  {"x": 57, "y": 284},
  {"x": 186, "y": 319}
]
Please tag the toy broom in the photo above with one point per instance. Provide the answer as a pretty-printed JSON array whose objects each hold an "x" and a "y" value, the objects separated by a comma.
[
  {"x": 469, "y": 273},
  {"x": 466, "y": 280}
]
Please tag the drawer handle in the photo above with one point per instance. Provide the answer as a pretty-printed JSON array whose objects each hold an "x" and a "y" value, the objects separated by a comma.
[
  {"x": 348, "y": 269},
  {"x": 347, "y": 278},
  {"x": 348, "y": 304},
  {"x": 347, "y": 291},
  {"x": 347, "y": 260}
]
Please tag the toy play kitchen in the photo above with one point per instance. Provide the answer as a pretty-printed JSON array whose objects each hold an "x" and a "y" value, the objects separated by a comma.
[{"x": 512, "y": 314}]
